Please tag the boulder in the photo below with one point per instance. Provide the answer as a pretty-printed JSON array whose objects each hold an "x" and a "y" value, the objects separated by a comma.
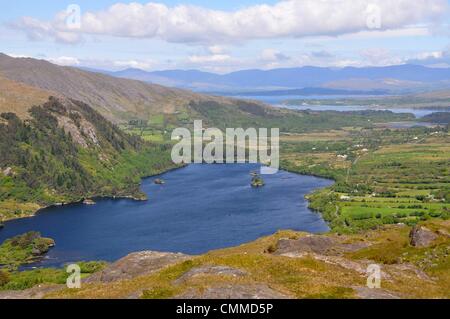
[
  {"x": 36, "y": 252},
  {"x": 308, "y": 244},
  {"x": 137, "y": 264},
  {"x": 210, "y": 270},
  {"x": 8, "y": 171},
  {"x": 88, "y": 202},
  {"x": 249, "y": 291},
  {"x": 421, "y": 236},
  {"x": 368, "y": 293}
]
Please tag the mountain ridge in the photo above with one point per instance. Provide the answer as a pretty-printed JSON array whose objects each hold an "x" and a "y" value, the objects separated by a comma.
[
  {"x": 116, "y": 99},
  {"x": 295, "y": 78}
]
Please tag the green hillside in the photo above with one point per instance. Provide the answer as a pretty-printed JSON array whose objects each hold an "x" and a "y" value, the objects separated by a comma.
[{"x": 67, "y": 152}]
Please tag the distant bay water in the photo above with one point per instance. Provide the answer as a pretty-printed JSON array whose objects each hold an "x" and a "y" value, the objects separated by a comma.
[{"x": 277, "y": 101}]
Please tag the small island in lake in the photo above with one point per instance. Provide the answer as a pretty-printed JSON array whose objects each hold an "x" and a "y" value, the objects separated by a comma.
[
  {"x": 24, "y": 249},
  {"x": 257, "y": 181}
]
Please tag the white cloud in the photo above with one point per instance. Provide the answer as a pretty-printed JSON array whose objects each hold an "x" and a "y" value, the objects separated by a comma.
[
  {"x": 323, "y": 54},
  {"x": 144, "y": 65},
  {"x": 432, "y": 58},
  {"x": 408, "y": 31},
  {"x": 380, "y": 57},
  {"x": 431, "y": 55},
  {"x": 107, "y": 64},
  {"x": 216, "y": 49},
  {"x": 272, "y": 55},
  {"x": 65, "y": 61},
  {"x": 342, "y": 63},
  {"x": 19, "y": 55},
  {"x": 40, "y": 30},
  {"x": 384, "y": 57},
  {"x": 194, "y": 24},
  {"x": 215, "y": 58}
]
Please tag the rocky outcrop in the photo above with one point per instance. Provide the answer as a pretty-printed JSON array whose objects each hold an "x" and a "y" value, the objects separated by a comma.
[
  {"x": 332, "y": 249},
  {"x": 316, "y": 244},
  {"x": 136, "y": 264},
  {"x": 210, "y": 270},
  {"x": 8, "y": 171},
  {"x": 250, "y": 291},
  {"x": 82, "y": 131},
  {"x": 421, "y": 236},
  {"x": 37, "y": 292},
  {"x": 309, "y": 244},
  {"x": 368, "y": 293},
  {"x": 360, "y": 267},
  {"x": 88, "y": 202}
]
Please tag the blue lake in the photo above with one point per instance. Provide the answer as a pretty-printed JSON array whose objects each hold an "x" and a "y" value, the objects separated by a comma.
[{"x": 200, "y": 208}]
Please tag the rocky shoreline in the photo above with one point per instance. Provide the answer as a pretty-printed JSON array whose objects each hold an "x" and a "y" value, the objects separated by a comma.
[{"x": 90, "y": 200}]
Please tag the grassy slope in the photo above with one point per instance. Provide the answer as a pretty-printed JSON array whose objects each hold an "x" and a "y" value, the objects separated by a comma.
[
  {"x": 19, "y": 98},
  {"x": 21, "y": 280}
]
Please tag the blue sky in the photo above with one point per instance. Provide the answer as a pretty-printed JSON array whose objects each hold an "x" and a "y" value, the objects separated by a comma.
[{"x": 223, "y": 36}]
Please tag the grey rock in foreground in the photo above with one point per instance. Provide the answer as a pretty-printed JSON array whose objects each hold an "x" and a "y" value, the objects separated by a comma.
[
  {"x": 136, "y": 264},
  {"x": 421, "y": 236},
  {"x": 368, "y": 293},
  {"x": 37, "y": 292},
  {"x": 210, "y": 270},
  {"x": 315, "y": 244},
  {"x": 250, "y": 291}
]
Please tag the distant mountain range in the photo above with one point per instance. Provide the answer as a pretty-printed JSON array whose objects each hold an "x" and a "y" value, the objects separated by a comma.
[
  {"x": 25, "y": 82},
  {"x": 394, "y": 79}
]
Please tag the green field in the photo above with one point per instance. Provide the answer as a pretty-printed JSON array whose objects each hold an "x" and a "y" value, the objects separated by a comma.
[{"x": 386, "y": 177}]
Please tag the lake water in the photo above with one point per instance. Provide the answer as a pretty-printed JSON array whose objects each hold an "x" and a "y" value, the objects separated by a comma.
[
  {"x": 200, "y": 208},
  {"x": 278, "y": 102}
]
